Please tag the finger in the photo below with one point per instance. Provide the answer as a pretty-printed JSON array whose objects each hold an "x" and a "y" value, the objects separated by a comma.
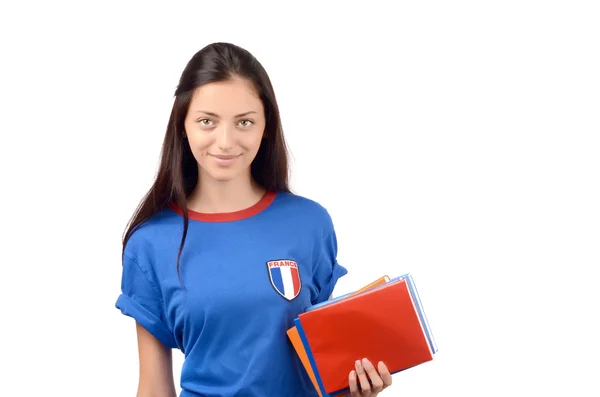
[
  {"x": 376, "y": 381},
  {"x": 352, "y": 381},
  {"x": 362, "y": 377},
  {"x": 384, "y": 372}
]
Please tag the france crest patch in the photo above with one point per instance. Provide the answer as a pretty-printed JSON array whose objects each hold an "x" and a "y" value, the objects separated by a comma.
[{"x": 285, "y": 278}]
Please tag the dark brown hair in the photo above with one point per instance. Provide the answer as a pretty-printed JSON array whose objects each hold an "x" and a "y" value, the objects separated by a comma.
[{"x": 177, "y": 175}]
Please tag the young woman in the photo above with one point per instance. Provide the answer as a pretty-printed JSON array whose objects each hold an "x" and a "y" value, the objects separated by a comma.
[{"x": 220, "y": 256}]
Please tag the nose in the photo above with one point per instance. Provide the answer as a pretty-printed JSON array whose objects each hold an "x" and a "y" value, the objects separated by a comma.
[{"x": 224, "y": 139}]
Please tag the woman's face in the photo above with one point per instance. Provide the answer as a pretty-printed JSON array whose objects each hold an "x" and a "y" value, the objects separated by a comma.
[{"x": 224, "y": 126}]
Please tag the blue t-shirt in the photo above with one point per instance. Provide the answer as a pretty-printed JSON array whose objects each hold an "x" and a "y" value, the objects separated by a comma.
[{"x": 246, "y": 275}]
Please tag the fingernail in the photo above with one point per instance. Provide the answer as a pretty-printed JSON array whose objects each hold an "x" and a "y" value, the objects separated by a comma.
[
  {"x": 365, "y": 360},
  {"x": 357, "y": 363}
]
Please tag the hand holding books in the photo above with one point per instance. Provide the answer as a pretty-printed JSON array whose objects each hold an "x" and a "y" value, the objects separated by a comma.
[
  {"x": 383, "y": 321},
  {"x": 366, "y": 381}
]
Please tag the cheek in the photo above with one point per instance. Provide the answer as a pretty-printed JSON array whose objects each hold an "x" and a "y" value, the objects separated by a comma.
[
  {"x": 252, "y": 143},
  {"x": 199, "y": 144},
  {"x": 199, "y": 151}
]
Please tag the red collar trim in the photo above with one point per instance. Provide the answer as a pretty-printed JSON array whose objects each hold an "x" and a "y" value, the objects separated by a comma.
[{"x": 260, "y": 206}]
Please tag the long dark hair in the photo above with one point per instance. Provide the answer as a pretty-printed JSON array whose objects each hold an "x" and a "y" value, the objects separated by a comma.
[{"x": 178, "y": 171}]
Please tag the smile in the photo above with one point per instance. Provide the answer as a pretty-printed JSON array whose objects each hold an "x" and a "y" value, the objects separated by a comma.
[
  {"x": 223, "y": 160},
  {"x": 223, "y": 157}
]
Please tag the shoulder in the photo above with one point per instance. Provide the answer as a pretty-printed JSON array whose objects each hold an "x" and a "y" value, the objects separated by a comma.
[
  {"x": 303, "y": 210},
  {"x": 152, "y": 235}
]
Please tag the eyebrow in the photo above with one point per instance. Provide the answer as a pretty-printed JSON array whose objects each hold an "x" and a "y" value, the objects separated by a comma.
[{"x": 217, "y": 116}]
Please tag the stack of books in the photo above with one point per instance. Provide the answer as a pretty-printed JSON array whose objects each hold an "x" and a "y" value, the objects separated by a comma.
[{"x": 383, "y": 321}]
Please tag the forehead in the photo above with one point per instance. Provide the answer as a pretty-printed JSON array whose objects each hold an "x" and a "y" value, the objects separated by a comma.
[{"x": 226, "y": 98}]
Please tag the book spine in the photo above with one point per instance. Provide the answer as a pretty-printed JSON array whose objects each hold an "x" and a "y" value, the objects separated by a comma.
[
  {"x": 422, "y": 315},
  {"x": 311, "y": 358}
]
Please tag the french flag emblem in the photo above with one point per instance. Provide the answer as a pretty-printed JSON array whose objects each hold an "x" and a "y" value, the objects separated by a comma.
[{"x": 285, "y": 278}]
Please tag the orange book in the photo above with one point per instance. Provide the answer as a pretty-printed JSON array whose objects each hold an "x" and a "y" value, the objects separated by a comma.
[
  {"x": 384, "y": 323},
  {"x": 294, "y": 337},
  {"x": 297, "y": 342}
]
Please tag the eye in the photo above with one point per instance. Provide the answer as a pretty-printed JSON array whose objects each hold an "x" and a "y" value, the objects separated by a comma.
[
  {"x": 246, "y": 123},
  {"x": 205, "y": 122}
]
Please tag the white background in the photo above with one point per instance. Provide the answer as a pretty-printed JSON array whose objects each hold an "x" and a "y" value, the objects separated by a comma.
[{"x": 455, "y": 140}]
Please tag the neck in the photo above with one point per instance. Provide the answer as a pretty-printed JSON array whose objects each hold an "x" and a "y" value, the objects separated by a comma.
[{"x": 211, "y": 196}]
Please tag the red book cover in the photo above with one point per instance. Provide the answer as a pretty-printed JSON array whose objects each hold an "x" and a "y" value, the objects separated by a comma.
[
  {"x": 296, "y": 340},
  {"x": 382, "y": 324}
]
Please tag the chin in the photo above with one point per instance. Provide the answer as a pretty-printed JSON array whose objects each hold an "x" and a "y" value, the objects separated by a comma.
[{"x": 223, "y": 175}]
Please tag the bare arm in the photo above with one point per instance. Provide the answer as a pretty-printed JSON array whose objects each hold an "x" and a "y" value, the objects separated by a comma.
[{"x": 156, "y": 366}]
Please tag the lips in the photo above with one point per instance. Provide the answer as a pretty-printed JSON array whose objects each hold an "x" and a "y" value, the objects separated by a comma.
[
  {"x": 223, "y": 160},
  {"x": 220, "y": 157},
  {"x": 224, "y": 157}
]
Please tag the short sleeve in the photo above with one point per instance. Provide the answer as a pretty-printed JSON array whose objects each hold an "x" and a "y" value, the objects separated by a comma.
[
  {"x": 327, "y": 271},
  {"x": 141, "y": 300}
]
